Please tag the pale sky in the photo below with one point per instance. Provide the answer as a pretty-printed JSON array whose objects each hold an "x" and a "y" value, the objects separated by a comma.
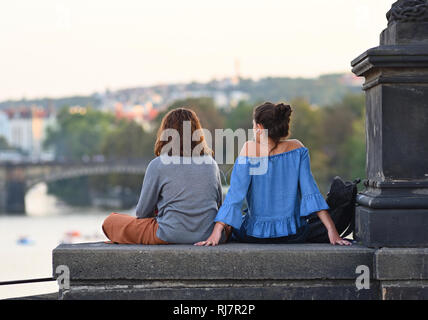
[{"x": 64, "y": 47}]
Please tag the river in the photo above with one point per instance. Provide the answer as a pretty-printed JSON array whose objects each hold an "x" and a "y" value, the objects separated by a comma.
[{"x": 26, "y": 242}]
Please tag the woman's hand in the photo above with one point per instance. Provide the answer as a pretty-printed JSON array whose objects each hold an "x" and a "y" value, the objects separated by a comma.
[
  {"x": 336, "y": 239},
  {"x": 215, "y": 236},
  {"x": 333, "y": 235}
]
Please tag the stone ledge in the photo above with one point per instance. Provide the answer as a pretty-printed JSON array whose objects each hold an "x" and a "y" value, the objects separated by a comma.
[
  {"x": 100, "y": 261},
  {"x": 404, "y": 290},
  {"x": 279, "y": 290},
  {"x": 240, "y": 271},
  {"x": 401, "y": 264}
]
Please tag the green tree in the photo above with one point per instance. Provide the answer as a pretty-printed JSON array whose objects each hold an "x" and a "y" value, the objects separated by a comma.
[
  {"x": 344, "y": 139},
  {"x": 321, "y": 91},
  {"x": 77, "y": 135},
  {"x": 355, "y": 150},
  {"x": 74, "y": 192},
  {"x": 240, "y": 117},
  {"x": 91, "y": 133},
  {"x": 128, "y": 141},
  {"x": 205, "y": 108},
  {"x": 3, "y": 144},
  {"x": 306, "y": 123},
  {"x": 306, "y": 126}
]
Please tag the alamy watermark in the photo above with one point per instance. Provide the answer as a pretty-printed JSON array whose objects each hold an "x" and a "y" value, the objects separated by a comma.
[
  {"x": 63, "y": 277},
  {"x": 363, "y": 280},
  {"x": 224, "y": 153}
]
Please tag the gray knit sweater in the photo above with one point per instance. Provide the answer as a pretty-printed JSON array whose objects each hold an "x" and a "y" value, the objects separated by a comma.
[{"x": 187, "y": 196}]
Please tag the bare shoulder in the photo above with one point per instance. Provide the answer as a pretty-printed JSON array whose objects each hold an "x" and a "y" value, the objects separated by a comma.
[
  {"x": 252, "y": 148},
  {"x": 249, "y": 149},
  {"x": 294, "y": 144}
]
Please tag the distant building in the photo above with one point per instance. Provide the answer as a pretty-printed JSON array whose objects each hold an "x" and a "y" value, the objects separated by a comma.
[
  {"x": 4, "y": 126},
  {"x": 20, "y": 123},
  {"x": 220, "y": 99},
  {"x": 236, "y": 97},
  {"x": 26, "y": 129},
  {"x": 141, "y": 114}
]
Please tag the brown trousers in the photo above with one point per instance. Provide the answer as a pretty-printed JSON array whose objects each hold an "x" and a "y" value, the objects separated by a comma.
[{"x": 124, "y": 229}]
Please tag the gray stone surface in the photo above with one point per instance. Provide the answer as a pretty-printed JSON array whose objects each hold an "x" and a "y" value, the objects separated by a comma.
[
  {"x": 401, "y": 264},
  {"x": 392, "y": 227},
  {"x": 265, "y": 290},
  {"x": 97, "y": 261},
  {"x": 404, "y": 290},
  {"x": 240, "y": 271},
  {"x": 405, "y": 33}
]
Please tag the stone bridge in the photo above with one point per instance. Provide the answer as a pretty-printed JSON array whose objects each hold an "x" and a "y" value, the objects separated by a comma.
[{"x": 17, "y": 179}]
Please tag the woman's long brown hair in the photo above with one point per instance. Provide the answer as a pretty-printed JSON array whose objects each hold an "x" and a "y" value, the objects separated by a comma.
[{"x": 174, "y": 119}]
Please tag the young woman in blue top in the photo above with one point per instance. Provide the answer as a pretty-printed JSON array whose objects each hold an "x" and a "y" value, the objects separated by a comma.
[{"x": 273, "y": 175}]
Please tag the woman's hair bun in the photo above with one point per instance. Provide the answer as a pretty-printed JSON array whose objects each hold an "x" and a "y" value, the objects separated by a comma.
[
  {"x": 283, "y": 110},
  {"x": 275, "y": 118}
]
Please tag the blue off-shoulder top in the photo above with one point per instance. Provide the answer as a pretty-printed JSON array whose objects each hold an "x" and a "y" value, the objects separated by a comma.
[{"x": 279, "y": 189}]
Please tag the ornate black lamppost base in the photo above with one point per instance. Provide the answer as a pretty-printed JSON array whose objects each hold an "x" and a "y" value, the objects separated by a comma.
[{"x": 393, "y": 210}]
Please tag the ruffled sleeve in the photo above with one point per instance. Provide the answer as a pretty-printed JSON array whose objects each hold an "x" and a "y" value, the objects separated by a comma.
[
  {"x": 311, "y": 198},
  {"x": 230, "y": 212}
]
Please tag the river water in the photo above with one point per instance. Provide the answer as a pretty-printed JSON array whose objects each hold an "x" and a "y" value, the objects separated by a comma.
[{"x": 26, "y": 242}]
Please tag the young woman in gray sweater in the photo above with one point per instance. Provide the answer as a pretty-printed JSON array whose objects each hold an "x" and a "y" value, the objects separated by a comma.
[{"x": 181, "y": 191}]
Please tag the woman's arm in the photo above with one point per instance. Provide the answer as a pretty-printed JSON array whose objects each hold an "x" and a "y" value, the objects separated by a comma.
[
  {"x": 149, "y": 193},
  {"x": 333, "y": 235},
  {"x": 312, "y": 200},
  {"x": 230, "y": 213},
  {"x": 215, "y": 236}
]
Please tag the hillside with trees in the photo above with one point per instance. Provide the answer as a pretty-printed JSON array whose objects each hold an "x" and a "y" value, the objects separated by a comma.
[{"x": 324, "y": 90}]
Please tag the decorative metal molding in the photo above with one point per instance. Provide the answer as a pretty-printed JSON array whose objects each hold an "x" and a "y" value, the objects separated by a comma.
[{"x": 408, "y": 11}]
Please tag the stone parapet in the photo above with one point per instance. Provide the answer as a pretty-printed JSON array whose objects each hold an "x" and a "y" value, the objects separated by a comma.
[{"x": 241, "y": 271}]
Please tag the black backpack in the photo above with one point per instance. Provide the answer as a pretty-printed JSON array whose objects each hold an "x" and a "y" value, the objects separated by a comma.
[{"x": 342, "y": 201}]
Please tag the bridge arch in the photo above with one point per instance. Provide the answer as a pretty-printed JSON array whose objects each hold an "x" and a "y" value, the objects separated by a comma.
[
  {"x": 19, "y": 178},
  {"x": 85, "y": 171}
]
